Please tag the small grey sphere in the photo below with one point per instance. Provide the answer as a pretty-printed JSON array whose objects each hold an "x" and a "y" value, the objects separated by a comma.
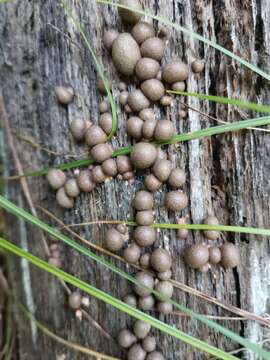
[
  {"x": 95, "y": 135},
  {"x": 78, "y": 129},
  {"x": 146, "y": 303},
  {"x": 131, "y": 300},
  {"x": 108, "y": 38},
  {"x": 145, "y": 260},
  {"x": 144, "y": 235},
  {"x": 141, "y": 329},
  {"x": 71, "y": 188},
  {"x": 126, "y": 338},
  {"x": 164, "y": 288},
  {"x": 101, "y": 152},
  {"x": 64, "y": 200},
  {"x": 123, "y": 164},
  {"x": 137, "y": 100},
  {"x": 164, "y": 130},
  {"x": 85, "y": 181},
  {"x": 148, "y": 128},
  {"x": 164, "y": 308},
  {"x": 165, "y": 275},
  {"x": 105, "y": 122},
  {"x": 98, "y": 175},
  {"x": 177, "y": 178},
  {"x": 144, "y": 279},
  {"x": 176, "y": 200},
  {"x": 214, "y": 255},
  {"x": 145, "y": 217},
  {"x": 230, "y": 256},
  {"x": 147, "y": 114},
  {"x": 132, "y": 253},
  {"x": 152, "y": 183},
  {"x": 153, "y": 89},
  {"x": 64, "y": 94},
  {"x": 136, "y": 352},
  {"x": 161, "y": 260},
  {"x": 113, "y": 240},
  {"x": 109, "y": 167},
  {"x": 196, "y": 256},
  {"x": 162, "y": 169},
  {"x": 142, "y": 31},
  {"x": 153, "y": 48},
  {"x": 129, "y": 16},
  {"x": 147, "y": 68},
  {"x": 134, "y": 127},
  {"x": 75, "y": 300},
  {"x": 56, "y": 178},
  {"x": 155, "y": 355},
  {"x": 149, "y": 343},
  {"x": 175, "y": 71},
  {"x": 211, "y": 234},
  {"x": 143, "y": 200}
]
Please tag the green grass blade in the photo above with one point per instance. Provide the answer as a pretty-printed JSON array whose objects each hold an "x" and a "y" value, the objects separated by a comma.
[
  {"x": 227, "y": 228},
  {"x": 194, "y": 35},
  {"x": 214, "y": 130},
  {"x": 98, "y": 64},
  {"x": 118, "y": 304},
  {"x": 224, "y": 100},
  {"x": 15, "y": 210}
]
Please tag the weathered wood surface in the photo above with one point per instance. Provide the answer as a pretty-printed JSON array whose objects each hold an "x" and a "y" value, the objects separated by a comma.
[{"x": 227, "y": 175}]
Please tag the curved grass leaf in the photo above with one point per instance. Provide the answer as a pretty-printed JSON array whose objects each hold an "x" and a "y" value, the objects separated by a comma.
[
  {"x": 224, "y": 100},
  {"x": 99, "y": 66},
  {"x": 214, "y": 130},
  {"x": 227, "y": 228},
  {"x": 17, "y": 211},
  {"x": 193, "y": 34},
  {"x": 118, "y": 304}
]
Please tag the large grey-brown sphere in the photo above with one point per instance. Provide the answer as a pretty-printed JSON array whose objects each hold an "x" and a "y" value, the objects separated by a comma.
[
  {"x": 153, "y": 89},
  {"x": 175, "y": 71},
  {"x": 153, "y": 48},
  {"x": 134, "y": 127},
  {"x": 162, "y": 169},
  {"x": 141, "y": 329},
  {"x": 143, "y": 200},
  {"x": 132, "y": 253},
  {"x": 142, "y": 31},
  {"x": 230, "y": 256},
  {"x": 126, "y": 338},
  {"x": 144, "y": 235},
  {"x": 108, "y": 38},
  {"x": 95, "y": 135},
  {"x": 85, "y": 181},
  {"x": 129, "y": 16},
  {"x": 101, "y": 152},
  {"x": 161, "y": 260},
  {"x": 113, "y": 240},
  {"x": 78, "y": 129},
  {"x": 136, "y": 352},
  {"x": 196, "y": 256},
  {"x": 56, "y": 178},
  {"x": 176, "y": 200},
  {"x": 125, "y": 54},
  {"x": 64, "y": 200},
  {"x": 146, "y": 280},
  {"x": 147, "y": 68},
  {"x": 164, "y": 130},
  {"x": 143, "y": 155},
  {"x": 137, "y": 100}
]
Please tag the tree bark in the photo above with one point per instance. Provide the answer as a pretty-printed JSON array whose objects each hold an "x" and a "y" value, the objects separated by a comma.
[{"x": 228, "y": 175}]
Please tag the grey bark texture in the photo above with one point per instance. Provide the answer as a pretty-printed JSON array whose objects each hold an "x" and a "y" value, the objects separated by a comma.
[{"x": 228, "y": 175}]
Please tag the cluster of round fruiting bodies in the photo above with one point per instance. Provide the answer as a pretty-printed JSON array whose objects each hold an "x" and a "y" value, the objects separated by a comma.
[
  {"x": 157, "y": 264},
  {"x": 203, "y": 256},
  {"x": 139, "y": 343}
]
